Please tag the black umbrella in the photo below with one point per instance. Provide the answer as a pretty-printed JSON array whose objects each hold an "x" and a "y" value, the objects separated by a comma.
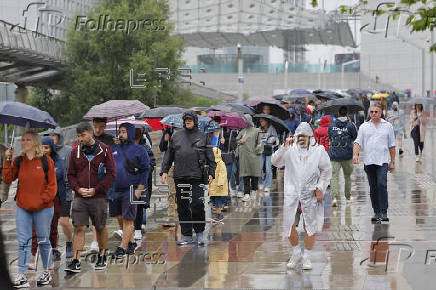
[
  {"x": 327, "y": 96},
  {"x": 332, "y": 106},
  {"x": 278, "y": 124},
  {"x": 161, "y": 112},
  {"x": 231, "y": 107},
  {"x": 277, "y": 109}
]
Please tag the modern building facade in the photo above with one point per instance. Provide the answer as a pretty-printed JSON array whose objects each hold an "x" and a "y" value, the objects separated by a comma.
[{"x": 392, "y": 54}]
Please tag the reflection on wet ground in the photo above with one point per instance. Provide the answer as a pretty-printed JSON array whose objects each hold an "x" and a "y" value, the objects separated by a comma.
[{"x": 248, "y": 251}]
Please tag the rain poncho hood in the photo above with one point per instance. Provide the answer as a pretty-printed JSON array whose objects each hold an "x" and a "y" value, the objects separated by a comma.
[
  {"x": 58, "y": 131},
  {"x": 304, "y": 129},
  {"x": 249, "y": 120}
]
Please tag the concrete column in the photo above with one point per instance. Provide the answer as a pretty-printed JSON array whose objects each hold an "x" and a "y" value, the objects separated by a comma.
[{"x": 21, "y": 95}]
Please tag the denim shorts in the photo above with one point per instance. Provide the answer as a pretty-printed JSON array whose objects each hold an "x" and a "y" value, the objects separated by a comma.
[{"x": 218, "y": 201}]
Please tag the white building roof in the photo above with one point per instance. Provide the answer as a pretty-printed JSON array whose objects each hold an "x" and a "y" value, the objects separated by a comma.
[{"x": 213, "y": 24}]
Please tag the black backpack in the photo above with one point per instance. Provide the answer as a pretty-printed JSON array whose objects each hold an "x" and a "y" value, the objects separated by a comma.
[{"x": 44, "y": 165}]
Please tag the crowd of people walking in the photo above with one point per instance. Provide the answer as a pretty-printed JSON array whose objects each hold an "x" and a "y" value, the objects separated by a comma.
[{"x": 103, "y": 175}]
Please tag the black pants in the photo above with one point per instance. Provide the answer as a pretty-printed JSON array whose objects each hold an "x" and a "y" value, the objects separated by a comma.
[
  {"x": 250, "y": 183},
  {"x": 190, "y": 205},
  {"x": 416, "y": 135},
  {"x": 141, "y": 207}
]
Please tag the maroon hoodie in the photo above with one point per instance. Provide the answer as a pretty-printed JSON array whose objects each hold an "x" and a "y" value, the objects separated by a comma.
[{"x": 83, "y": 173}]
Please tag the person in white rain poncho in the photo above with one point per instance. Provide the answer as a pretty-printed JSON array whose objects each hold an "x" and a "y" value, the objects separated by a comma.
[{"x": 307, "y": 175}]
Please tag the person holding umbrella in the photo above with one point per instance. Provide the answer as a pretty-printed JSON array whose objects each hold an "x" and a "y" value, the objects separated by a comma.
[
  {"x": 418, "y": 126},
  {"x": 307, "y": 175},
  {"x": 269, "y": 139},
  {"x": 250, "y": 147},
  {"x": 37, "y": 177}
]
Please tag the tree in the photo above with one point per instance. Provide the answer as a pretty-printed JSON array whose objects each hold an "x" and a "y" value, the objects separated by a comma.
[
  {"x": 118, "y": 36},
  {"x": 58, "y": 105},
  {"x": 421, "y": 14}
]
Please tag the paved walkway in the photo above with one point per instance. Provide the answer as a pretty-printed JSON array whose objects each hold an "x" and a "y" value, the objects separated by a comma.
[{"x": 247, "y": 251}]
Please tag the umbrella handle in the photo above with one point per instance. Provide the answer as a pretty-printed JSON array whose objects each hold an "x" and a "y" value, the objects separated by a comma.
[{"x": 12, "y": 138}]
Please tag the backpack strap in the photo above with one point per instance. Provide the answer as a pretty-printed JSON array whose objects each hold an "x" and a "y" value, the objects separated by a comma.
[{"x": 43, "y": 161}]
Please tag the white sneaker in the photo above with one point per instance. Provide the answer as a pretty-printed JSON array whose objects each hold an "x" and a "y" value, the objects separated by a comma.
[
  {"x": 118, "y": 234},
  {"x": 260, "y": 186},
  {"x": 417, "y": 159},
  {"x": 307, "y": 265},
  {"x": 267, "y": 189},
  {"x": 240, "y": 194},
  {"x": 232, "y": 192},
  {"x": 20, "y": 281},
  {"x": 94, "y": 247},
  {"x": 293, "y": 261},
  {"x": 138, "y": 235},
  {"x": 254, "y": 192},
  {"x": 334, "y": 202},
  {"x": 246, "y": 197}
]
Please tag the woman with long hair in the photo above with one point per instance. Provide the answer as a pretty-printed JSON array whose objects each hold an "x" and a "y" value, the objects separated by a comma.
[
  {"x": 418, "y": 126},
  {"x": 36, "y": 191}
]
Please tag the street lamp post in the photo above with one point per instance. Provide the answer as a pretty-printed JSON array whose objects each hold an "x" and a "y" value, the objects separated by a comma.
[{"x": 240, "y": 74}]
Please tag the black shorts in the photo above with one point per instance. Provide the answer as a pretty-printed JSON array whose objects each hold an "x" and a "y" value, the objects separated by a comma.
[{"x": 66, "y": 209}]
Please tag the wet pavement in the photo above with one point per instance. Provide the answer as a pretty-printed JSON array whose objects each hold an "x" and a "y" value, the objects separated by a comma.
[{"x": 248, "y": 251}]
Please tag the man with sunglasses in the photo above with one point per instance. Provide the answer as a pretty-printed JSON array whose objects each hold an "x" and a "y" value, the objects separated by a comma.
[{"x": 376, "y": 138}]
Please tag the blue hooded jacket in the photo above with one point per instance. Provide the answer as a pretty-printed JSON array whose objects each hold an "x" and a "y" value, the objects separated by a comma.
[
  {"x": 59, "y": 165},
  {"x": 135, "y": 153},
  {"x": 292, "y": 123},
  {"x": 304, "y": 117}
]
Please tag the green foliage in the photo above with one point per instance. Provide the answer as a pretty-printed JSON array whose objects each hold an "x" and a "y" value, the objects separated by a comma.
[
  {"x": 100, "y": 59},
  {"x": 59, "y": 106},
  {"x": 421, "y": 13}
]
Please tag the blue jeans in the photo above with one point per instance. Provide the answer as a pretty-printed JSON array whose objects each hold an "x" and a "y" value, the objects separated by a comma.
[
  {"x": 235, "y": 175},
  {"x": 268, "y": 171},
  {"x": 377, "y": 178},
  {"x": 41, "y": 220},
  {"x": 229, "y": 171}
]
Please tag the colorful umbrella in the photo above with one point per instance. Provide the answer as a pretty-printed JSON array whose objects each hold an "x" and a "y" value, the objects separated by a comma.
[
  {"x": 230, "y": 120},
  {"x": 205, "y": 124},
  {"x": 379, "y": 96},
  {"x": 116, "y": 109}
]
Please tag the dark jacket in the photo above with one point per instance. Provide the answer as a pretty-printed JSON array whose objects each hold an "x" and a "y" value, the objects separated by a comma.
[
  {"x": 136, "y": 153},
  {"x": 64, "y": 151},
  {"x": 163, "y": 145},
  {"x": 106, "y": 139},
  {"x": 186, "y": 148},
  {"x": 59, "y": 165},
  {"x": 83, "y": 173},
  {"x": 304, "y": 116},
  {"x": 292, "y": 123},
  {"x": 342, "y": 135}
]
